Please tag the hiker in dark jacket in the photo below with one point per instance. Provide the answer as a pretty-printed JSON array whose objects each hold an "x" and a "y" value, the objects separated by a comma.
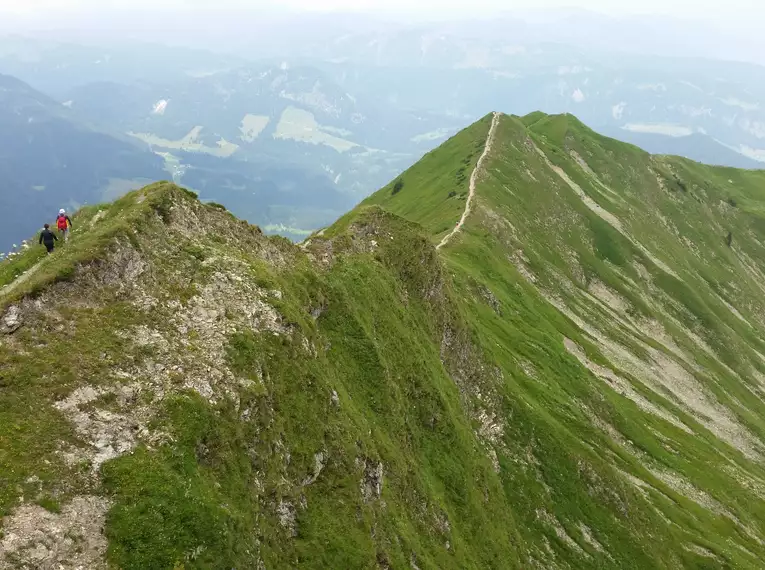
[{"x": 47, "y": 238}]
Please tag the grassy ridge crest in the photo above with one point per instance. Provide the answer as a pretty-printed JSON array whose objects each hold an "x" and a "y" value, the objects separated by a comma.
[{"x": 576, "y": 380}]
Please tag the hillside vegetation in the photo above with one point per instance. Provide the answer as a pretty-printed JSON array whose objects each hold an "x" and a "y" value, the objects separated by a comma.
[
  {"x": 575, "y": 380},
  {"x": 51, "y": 159}
]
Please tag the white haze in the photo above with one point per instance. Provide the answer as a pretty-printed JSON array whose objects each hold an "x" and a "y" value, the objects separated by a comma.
[
  {"x": 732, "y": 10},
  {"x": 700, "y": 28}
]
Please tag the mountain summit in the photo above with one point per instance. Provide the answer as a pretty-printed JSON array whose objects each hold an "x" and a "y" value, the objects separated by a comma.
[{"x": 537, "y": 348}]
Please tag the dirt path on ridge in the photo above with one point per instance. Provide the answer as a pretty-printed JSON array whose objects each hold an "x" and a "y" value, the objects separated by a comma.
[
  {"x": 20, "y": 279},
  {"x": 473, "y": 180}
]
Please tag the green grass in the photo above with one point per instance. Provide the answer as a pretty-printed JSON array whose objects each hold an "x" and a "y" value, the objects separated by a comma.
[
  {"x": 560, "y": 237},
  {"x": 53, "y": 364},
  {"x": 433, "y": 193},
  {"x": 168, "y": 501},
  {"x": 65, "y": 348},
  {"x": 168, "y": 505},
  {"x": 50, "y": 504},
  {"x": 118, "y": 220},
  {"x": 447, "y": 367}
]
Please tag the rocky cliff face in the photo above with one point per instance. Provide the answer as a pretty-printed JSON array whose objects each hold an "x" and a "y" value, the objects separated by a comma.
[
  {"x": 574, "y": 380},
  {"x": 181, "y": 390}
]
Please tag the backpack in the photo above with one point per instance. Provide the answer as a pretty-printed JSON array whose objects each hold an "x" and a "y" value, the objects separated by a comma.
[{"x": 61, "y": 222}]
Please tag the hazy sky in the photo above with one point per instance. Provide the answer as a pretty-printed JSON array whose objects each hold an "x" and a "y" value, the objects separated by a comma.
[{"x": 689, "y": 8}]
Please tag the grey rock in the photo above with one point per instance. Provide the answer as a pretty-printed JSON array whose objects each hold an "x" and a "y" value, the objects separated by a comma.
[
  {"x": 319, "y": 462},
  {"x": 286, "y": 512},
  {"x": 12, "y": 320},
  {"x": 372, "y": 483}
]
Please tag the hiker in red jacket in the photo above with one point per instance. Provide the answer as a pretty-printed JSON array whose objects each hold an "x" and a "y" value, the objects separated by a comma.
[{"x": 63, "y": 223}]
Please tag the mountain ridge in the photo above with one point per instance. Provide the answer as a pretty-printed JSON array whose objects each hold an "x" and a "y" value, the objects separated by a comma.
[
  {"x": 473, "y": 179},
  {"x": 697, "y": 147},
  {"x": 51, "y": 159},
  {"x": 575, "y": 380}
]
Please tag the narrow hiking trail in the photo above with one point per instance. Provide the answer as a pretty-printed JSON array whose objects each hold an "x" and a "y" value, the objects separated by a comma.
[
  {"x": 473, "y": 180},
  {"x": 20, "y": 279}
]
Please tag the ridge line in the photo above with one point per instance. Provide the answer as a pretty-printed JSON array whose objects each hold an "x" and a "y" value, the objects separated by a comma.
[{"x": 473, "y": 180}]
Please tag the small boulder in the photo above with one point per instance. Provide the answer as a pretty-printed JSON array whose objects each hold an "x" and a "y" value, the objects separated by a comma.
[
  {"x": 11, "y": 321},
  {"x": 287, "y": 517},
  {"x": 372, "y": 483}
]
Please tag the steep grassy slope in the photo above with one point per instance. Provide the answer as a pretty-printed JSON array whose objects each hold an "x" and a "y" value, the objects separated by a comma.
[
  {"x": 214, "y": 398},
  {"x": 575, "y": 380},
  {"x": 621, "y": 296},
  {"x": 442, "y": 173}
]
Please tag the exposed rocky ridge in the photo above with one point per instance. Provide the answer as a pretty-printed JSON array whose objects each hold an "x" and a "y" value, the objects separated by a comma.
[
  {"x": 165, "y": 302},
  {"x": 572, "y": 381}
]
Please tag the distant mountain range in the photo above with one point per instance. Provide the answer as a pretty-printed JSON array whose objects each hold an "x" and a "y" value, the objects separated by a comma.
[
  {"x": 646, "y": 94},
  {"x": 243, "y": 103},
  {"x": 292, "y": 140},
  {"x": 267, "y": 31},
  {"x": 538, "y": 348},
  {"x": 696, "y": 146},
  {"x": 230, "y": 132},
  {"x": 55, "y": 67},
  {"x": 49, "y": 159}
]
